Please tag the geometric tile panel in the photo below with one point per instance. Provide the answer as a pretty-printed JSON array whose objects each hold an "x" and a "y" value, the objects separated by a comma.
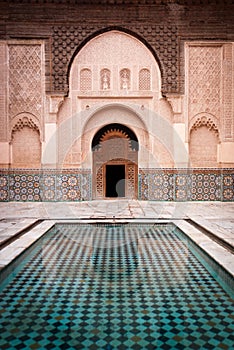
[
  {"x": 73, "y": 187},
  {"x": 143, "y": 184},
  {"x": 49, "y": 185},
  {"x": 153, "y": 184},
  {"x": 205, "y": 187},
  {"x": 4, "y": 188},
  {"x": 156, "y": 185},
  {"x": 24, "y": 187},
  {"x": 228, "y": 187},
  {"x": 186, "y": 184},
  {"x": 182, "y": 182},
  {"x": 116, "y": 287},
  {"x": 201, "y": 186}
]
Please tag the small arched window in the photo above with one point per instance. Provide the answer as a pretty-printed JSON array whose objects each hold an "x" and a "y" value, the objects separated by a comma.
[
  {"x": 105, "y": 79},
  {"x": 125, "y": 75},
  {"x": 85, "y": 79},
  {"x": 144, "y": 79}
]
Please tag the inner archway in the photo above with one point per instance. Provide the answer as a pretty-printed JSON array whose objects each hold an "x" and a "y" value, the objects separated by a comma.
[{"x": 115, "y": 162}]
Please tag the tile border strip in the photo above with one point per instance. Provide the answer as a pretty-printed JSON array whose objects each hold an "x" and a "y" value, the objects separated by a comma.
[{"x": 62, "y": 185}]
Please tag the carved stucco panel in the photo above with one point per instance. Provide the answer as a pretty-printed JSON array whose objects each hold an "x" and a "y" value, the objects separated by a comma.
[
  {"x": 25, "y": 79},
  {"x": 228, "y": 122},
  {"x": 3, "y": 92},
  {"x": 210, "y": 84},
  {"x": 163, "y": 39},
  {"x": 204, "y": 80}
]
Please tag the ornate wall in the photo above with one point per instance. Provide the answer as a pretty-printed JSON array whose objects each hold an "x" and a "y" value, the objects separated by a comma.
[
  {"x": 48, "y": 185},
  {"x": 154, "y": 184},
  {"x": 209, "y": 90},
  {"x": 22, "y": 113},
  {"x": 181, "y": 90},
  {"x": 186, "y": 185},
  {"x": 163, "y": 41}
]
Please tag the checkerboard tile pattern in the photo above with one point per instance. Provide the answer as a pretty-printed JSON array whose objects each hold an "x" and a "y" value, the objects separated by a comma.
[{"x": 114, "y": 287}]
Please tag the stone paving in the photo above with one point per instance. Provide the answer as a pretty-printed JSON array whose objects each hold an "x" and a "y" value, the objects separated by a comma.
[
  {"x": 119, "y": 208},
  {"x": 217, "y": 216}
]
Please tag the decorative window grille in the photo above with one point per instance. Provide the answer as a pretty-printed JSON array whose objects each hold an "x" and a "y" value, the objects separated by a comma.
[
  {"x": 105, "y": 79},
  {"x": 125, "y": 79},
  {"x": 144, "y": 79},
  {"x": 85, "y": 79}
]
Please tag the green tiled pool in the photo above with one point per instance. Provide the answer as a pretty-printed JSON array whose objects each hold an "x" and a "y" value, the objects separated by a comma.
[{"x": 126, "y": 286}]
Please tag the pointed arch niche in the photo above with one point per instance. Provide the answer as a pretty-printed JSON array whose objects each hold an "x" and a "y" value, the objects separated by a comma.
[
  {"x": 25, "y": 141},
  {"x": 115, "y": 59},
  {"x": 204, "y": 139},
  {"x": 109, "y": 57},
  {"x": 115, "y": 162}
]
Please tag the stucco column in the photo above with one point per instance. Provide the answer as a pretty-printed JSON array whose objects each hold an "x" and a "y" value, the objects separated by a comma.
[
  {"x": 4, "y": 145},
  {"x": 49, "y": 146},
  {"x": 225, "y": 152},
  {"x": 180, "y": 146},
  {"x": 181, "y": 155},
  {"x": 4, "y": 154}
]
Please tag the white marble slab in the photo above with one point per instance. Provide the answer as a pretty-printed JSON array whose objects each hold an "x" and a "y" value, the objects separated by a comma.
[{"x": 13, "y": 250}]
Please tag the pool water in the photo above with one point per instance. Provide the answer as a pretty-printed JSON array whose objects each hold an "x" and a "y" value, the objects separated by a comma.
[{"x": 128, "y": 286}]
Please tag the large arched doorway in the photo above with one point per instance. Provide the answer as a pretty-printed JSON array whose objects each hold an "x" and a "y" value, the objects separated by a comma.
[{"x": 115, "y": 162}]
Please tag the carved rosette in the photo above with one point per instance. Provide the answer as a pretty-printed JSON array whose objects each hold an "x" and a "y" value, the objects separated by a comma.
[{"x": 163, "y": 40}]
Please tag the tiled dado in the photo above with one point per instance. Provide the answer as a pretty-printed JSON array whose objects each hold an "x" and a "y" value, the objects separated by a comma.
[
  {"x": 186, "y": 184},
  {"x": 37, "y": 186},
  {"x": 154, "y": 184}
]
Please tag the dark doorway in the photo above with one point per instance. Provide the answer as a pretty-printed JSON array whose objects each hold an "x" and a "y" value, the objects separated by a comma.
[{"x": 115, "y": 180}]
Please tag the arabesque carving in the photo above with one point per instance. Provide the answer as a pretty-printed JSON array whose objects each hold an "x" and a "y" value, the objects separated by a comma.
[
  {"x": 144, "y": 79},
  {"x": 25, "y": 76},
  {"x": 125, "y": 79},
  {"x": 204, "y": 79},
  {"x": 105, "y": 79},
  {"x": 131, "y": 180},
  {"x": 85, "y": 79},
  {"x": 99, "y": 183}
]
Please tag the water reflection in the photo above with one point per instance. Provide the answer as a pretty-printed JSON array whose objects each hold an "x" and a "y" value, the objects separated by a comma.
[{"x": 114, "y": 251}]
